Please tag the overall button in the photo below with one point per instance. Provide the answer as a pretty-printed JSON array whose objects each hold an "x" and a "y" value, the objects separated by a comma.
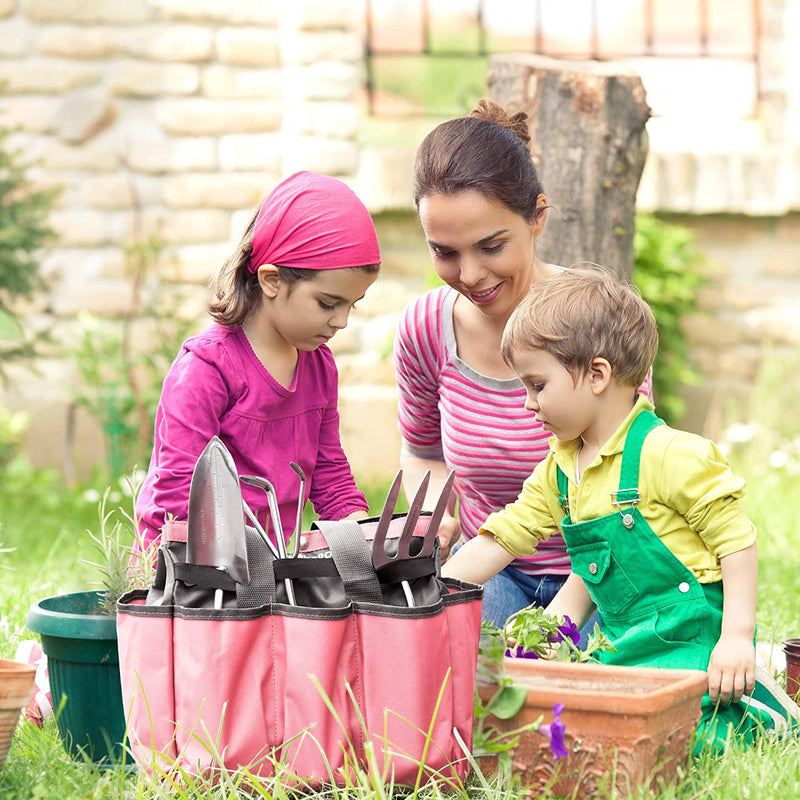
[
  {"x": 683, "y": 587},
  {"x": 593, "y": 569}
]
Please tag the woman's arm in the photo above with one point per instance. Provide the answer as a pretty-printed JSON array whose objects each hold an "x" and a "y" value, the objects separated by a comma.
[{"x": 478, "y": 560}]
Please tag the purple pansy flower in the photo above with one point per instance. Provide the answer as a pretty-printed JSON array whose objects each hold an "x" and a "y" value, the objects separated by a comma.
[
  {"x": 569, "y": 630},
  {"x": 555, "y": 733},
  {"x": 520, "y": 652}
]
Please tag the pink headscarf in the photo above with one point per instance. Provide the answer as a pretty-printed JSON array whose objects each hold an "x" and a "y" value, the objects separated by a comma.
[{"x": 312, "y": 221}]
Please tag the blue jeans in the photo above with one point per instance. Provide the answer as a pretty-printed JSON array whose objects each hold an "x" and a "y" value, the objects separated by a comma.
[{"x": 511, "y": 590}]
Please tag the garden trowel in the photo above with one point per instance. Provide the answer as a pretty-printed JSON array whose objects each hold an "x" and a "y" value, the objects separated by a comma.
[{"x": 216, "y": 535}]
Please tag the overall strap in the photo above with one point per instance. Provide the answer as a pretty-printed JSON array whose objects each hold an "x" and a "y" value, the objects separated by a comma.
[
  {"x": 628, "y": 491},
  {"x": 563, "y": 491}
]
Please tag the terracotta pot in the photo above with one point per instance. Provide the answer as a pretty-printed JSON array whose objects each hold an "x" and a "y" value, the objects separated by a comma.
[
  {"x": 630, "y": 726},
  {"x": 16, "y": 690},
  {"x": 791, "y": 647}
]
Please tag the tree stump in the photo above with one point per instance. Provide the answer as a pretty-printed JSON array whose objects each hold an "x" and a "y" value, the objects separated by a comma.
[{"x": 589, "y": 143}]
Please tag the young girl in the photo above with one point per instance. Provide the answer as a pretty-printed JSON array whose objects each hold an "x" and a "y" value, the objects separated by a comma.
[{"x": 262, "y": 377}]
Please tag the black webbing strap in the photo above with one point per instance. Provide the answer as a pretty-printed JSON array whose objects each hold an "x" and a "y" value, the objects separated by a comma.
[
  {"x": 205, "y": 577},
  {"x": 353, "y": 558},
  {"x": 261, "y": 588}
]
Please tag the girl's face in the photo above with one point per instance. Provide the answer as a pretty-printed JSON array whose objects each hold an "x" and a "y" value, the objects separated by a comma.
[
  {"x": 308, "y": 313},
  {"x": 481, "y": 248}
]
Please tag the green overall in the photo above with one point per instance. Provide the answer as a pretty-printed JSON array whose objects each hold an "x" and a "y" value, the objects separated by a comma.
[{"x": 651, "y": 607}]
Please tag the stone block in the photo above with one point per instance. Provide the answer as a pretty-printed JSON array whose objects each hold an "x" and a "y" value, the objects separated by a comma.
[
  {"x": 220, "y": 80},
  {"x": 151, "y": 79},
  {"x": 77, "y": 264},
  {"x": 155, "y": 153},
  {"x": 248, "y": 47},
  {"x": 187, "y": 226},
  {"x": 677, "y": 181},
  {"x": 108, "y": 191},
  {"x": 96, "y": 297},
  {"x": 740, "y": 296},
  {"x": 328, "y": 156},
  {"x": 776, "y": 324},
  {"x": 712, "y": 184},
  {"x": 358, "y": 369},
  {"x": 214, "y": 190},
  {"x": 324, "y": 80},
  {"x": 32, "y": 114},
  {"x": 369, "y": 431},
  {"x": 7, "y": 7},
  {"x": 383, "y": 302},
  {"x": 45, "y": 76},
  {"x": 199, "y": 117},
  {"x": 781, "y": 261},
  {"x": 79, "y": 228},
  {"x": 198, "y": 263},
  {"x": 319, "y": 14},
  {"x": 15, "y": 38},
  {"x": 107, "y": 12},
  {"x": 308, "y": 47},
  {"x": 78, "y": 41},
  {"x": 184, "y": 43},
  {"x": 251, "y": 152},
  {"x": 82, "y": 115},
  {"x": 232, "y": 12},
  {"x": 385, "y": 177},
  {"x": 719, "y": 331},
  {"x": 334, "y": 119}
]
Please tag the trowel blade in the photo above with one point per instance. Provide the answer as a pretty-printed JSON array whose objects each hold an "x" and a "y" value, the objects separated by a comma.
[{"x": 216, "y": 536}]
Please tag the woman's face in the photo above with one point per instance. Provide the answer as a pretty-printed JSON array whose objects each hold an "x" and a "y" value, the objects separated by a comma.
[{"x": 481, "y": 248}]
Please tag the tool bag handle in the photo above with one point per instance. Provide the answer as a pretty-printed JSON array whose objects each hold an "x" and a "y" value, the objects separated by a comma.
[{"x": 353, "y": 558}]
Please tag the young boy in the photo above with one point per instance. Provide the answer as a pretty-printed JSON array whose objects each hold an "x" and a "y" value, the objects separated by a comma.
[{"x": 655, "y": 530}]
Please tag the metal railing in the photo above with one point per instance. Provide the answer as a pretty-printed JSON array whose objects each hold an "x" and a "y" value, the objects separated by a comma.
[{"x": 696, "y": 36}]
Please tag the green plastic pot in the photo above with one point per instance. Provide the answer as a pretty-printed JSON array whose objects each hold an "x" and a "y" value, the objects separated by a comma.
[{"x": 80, "y": 643}]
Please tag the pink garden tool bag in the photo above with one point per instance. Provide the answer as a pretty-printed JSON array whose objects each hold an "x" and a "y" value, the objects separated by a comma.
[{"x": 350, "y": 654}]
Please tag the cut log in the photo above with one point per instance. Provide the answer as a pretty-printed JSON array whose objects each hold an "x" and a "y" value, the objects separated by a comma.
[{"x": 589, "y": 143}]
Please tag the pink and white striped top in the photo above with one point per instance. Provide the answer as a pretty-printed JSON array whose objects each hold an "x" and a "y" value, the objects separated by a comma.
[{"x": 477, "y": 425}]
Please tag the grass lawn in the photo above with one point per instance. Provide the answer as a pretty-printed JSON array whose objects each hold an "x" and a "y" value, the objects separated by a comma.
[{"x": 46, "y": 527}]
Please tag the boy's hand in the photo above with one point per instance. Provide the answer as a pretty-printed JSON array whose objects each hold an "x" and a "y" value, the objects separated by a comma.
[{"x": 731, "y": 669}]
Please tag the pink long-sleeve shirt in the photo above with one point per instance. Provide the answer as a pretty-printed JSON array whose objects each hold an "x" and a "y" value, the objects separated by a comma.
[{"x": 218, "y": 386}]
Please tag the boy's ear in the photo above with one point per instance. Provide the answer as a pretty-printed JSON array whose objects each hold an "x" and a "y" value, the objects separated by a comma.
[
  {"x": 599, "y": 375},
  {"x": 269, "y": 280}
]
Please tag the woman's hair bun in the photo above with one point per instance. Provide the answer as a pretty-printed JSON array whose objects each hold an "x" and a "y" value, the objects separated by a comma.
[{"x": 493, "y": 112}]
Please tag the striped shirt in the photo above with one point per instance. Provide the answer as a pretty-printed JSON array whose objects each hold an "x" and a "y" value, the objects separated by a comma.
[{"x": 476, "y": 424}]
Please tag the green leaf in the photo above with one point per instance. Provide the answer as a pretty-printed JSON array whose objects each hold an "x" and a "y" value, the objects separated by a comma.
[{"x": 507, "y": 701}]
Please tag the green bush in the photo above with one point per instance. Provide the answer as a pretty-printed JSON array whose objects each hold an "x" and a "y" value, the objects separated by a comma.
[
  {"x": 23, "y": 233},
  {"x": 668, "y": 272}
]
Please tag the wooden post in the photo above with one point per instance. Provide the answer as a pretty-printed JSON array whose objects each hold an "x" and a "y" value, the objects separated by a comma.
[{"x": 589, "y": 143}]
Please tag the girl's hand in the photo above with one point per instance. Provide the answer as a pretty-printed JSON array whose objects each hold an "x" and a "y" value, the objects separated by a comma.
[{"x": 731, "y": 669}]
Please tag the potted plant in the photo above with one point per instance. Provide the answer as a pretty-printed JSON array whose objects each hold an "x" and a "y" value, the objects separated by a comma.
[
  {"x": 16, "y": 688},
  {"x": 613, "y": 727},
  {"x": 79, "y": 637}
]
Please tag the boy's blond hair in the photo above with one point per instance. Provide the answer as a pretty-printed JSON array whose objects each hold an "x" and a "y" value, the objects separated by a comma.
[{"x": 581, "y": 314}]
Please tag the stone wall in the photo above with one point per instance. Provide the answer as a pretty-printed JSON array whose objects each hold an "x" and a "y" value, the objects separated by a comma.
[{"x": 173, "y": 117}]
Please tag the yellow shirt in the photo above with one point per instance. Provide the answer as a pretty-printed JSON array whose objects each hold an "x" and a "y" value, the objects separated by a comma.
[{"x": 689, "y": 497}]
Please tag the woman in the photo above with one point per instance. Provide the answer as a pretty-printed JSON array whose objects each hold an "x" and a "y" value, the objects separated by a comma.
[{"x": 481, "y": 207}]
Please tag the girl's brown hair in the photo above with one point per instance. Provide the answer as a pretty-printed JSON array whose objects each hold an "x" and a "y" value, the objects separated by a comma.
[
  {"x": 486, "y": 151},
  {"x": 581, "y": 314},
  {"x": 237, "y": 291}
]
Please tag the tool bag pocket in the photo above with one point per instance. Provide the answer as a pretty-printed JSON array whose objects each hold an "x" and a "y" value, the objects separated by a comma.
[{"x": 349, "y": 677}]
